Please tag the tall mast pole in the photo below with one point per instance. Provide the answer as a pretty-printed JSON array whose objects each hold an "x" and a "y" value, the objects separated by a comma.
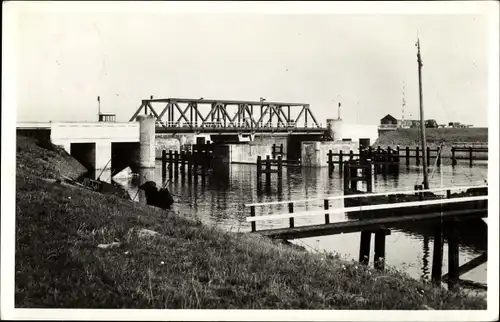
[{"x": 422, "y": 122}]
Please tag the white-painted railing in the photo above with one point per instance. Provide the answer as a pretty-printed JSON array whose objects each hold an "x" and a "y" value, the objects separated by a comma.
[
  {"x": 367, "y": 208},
  {"x": 363, "y": 195}
]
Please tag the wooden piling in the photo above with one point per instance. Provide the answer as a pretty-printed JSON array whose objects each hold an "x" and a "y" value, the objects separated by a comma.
[
  {"x": 351, "y": 155},
  {"x": 341, "y": 161},
  {"x": 417, "y": 154},
  {"x": 330, "y": 162},
  {"x": 176, "y": 164},
  {"x": 407, "y": 156},
  {"x": 268, "y": 171},
  {"x": 163, "y": 164},
  {"x": 470, "y": 156},
  {"x": 273, "y": 153},
  {"x": 290, "y": 210},
  {"x": 428, "y": 156},
  {"x": 259, "y": 167},
  {"x": 453, "y": 159},
  {"x": 190, "y": 165},
  {"x": 170, "y": 163},
  {"x": 437, "y": 255},
  {"x": 326, "y": 203},
  {"x": 369, "y": 177},
  {"x": 379, "y": 260},
  {"x": 453, "y": 254},
  {"x": 364, "y": 247},
  {"x": 398, "y": 153},
  {"x": 439, "y": 156},
  {"x": 252, "y": 214}
]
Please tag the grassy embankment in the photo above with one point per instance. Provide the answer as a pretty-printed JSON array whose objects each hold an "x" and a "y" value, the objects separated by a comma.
[
  {"x": 187, "y": 265},
  {"x": 435, "y": 137}
]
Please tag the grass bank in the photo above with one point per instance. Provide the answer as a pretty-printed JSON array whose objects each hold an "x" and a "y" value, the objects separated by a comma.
[
  {"x": 435, "y": 137},
  {"x": 186, "y": 265}
]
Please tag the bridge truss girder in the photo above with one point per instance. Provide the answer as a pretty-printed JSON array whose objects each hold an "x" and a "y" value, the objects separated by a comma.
[{"x": 198, "y": 114}]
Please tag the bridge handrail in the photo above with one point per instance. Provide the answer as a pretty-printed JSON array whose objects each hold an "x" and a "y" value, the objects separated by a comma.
[
  {"x": 365, "y": 208},
  {"x": 363, "y": 195}
]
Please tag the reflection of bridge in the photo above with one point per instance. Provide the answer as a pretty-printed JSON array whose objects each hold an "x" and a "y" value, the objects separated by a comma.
[{"x": 229, "y": 117}]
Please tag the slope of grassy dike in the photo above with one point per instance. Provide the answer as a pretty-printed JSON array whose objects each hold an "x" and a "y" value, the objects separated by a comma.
[
  {"x": 434, "y": 137},
  {"x": 187, "y": 265}
]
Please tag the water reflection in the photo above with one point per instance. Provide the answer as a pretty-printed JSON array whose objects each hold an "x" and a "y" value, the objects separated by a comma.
[{"x": 221, "y": 202}]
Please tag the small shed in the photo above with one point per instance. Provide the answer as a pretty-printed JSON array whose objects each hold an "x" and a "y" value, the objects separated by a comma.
[{"x": 388, "y": 119}]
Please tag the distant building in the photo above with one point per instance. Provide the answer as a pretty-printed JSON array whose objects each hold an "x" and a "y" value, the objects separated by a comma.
[{"x": 389, "y": 122}]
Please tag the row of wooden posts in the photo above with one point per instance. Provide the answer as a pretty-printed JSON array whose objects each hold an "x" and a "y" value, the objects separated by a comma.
[
  {"x": 194, "y": 164},
  {"x": 268, "y": 167},
  {"x": 356, "y": 171},
  {"x": 385, "y": 158}
]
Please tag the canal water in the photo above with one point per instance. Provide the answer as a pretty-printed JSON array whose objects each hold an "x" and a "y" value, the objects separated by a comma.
[{"x": 221, "y": 202}]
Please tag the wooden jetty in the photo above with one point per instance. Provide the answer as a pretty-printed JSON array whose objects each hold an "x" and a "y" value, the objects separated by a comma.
[{"x": 443, "y": 221}]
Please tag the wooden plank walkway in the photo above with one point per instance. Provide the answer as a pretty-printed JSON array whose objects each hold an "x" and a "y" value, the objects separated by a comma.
[
  {"x": 368, "y": 224},
  {"x": 368, "y": 208}
]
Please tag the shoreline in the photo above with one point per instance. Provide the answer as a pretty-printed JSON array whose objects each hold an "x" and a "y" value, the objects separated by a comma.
[{"x": 164, "y": 260}]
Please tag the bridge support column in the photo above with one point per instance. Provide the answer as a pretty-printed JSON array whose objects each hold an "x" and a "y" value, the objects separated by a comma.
[
  {"x": 102, "y": 155},
  {"x": 147, "y": 141}
]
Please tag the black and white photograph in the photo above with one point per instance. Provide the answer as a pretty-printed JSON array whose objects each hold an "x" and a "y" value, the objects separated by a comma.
[{"x": 277, "y": 161}]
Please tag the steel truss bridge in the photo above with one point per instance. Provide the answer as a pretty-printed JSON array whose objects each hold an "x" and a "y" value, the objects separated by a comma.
[{"x": 181, "y": 115}]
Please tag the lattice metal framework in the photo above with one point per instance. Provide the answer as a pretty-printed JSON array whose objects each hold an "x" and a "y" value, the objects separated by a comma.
[{"x": 201, "y": 114}]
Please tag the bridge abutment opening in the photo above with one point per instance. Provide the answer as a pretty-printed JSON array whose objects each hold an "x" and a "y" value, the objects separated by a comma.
[{"x": 85, "y": 153}]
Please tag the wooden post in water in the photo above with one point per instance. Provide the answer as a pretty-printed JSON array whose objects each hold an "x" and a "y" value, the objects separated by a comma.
[
  {"x": 364, "y": 247},
  {"x": 398, "y": 151},
  {"x": 163, "y": 164},
  {"x": 369, "y": 182},
  {"x": 407, "y": 156},
  {"x": 379, "y": 259},
  {"x": 347, "y": 174},
  {"x": 437, "y": 255},
  {"x": 259, "y": 167},
  {"x": 439, "y": 156},
  {"x": 453, "y": 273},
  {"x": 341, "y": 161},
  {"x": 326, "y": 203},
  {"x": 330, "y": 163},
  {"x": 470, "y": 156},
  {"x": 190, "y": 165},
  {"x": 428, "y": 156},
  {"x": 290, "y": 210},
  {"x": 280, "y": 173},
  {"x": 351, "y": 155},
  {"x": 252, "y": 214},
  {"x": 170, "y": 164},
  {"x": 274, "y": 151},
  {"x": 176, "y": 164},
  {"x": 196, "y": 165},
  {"x": 417, "y": 154},
  {"x": 268, "y": 171},
  {"x": 183, "y": 163}
]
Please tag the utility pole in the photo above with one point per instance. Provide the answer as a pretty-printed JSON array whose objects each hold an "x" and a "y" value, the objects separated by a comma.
[
  {"x": 339, "y": 111},
  {"x": 98, "y": 108},
  {"x": 422, "y": 122}
]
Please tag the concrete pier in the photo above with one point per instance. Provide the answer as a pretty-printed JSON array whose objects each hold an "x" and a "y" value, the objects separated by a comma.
[{"x": 147, "y": 141}]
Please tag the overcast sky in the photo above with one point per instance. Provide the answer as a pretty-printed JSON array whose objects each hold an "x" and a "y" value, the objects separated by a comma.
[{"x": 66, "y": 59}]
